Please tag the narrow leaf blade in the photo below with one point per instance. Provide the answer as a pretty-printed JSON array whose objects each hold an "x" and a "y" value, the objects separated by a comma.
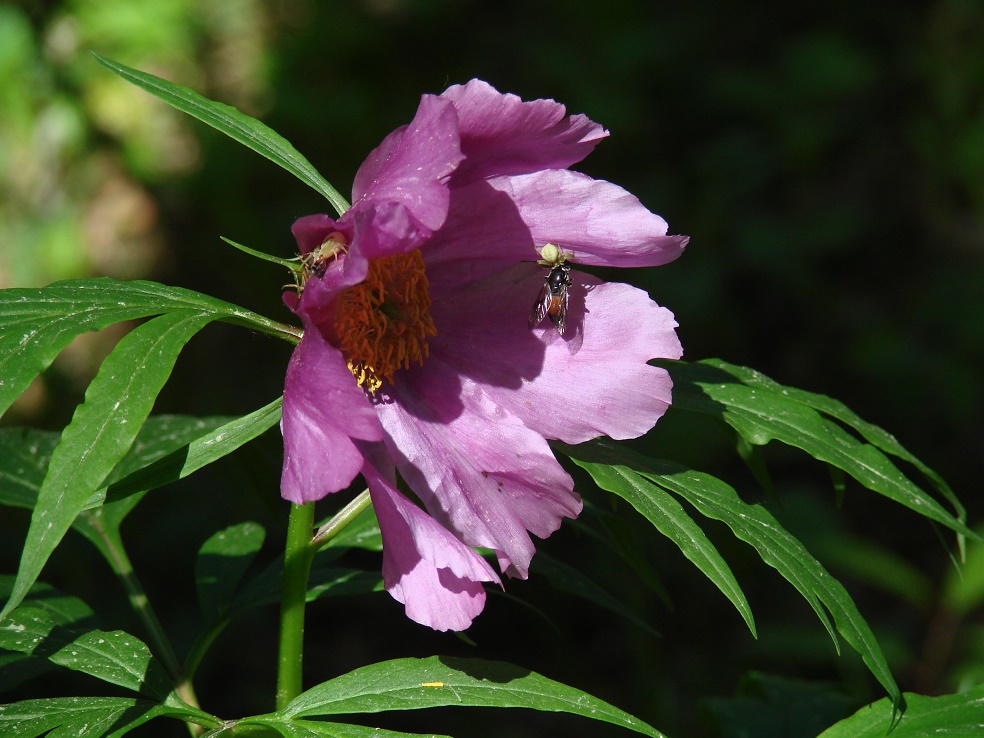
[
  {"x": 197, "y": 453},
  {"x": 762, "y": 410},
  {"x": 226, "y": 119},
  {"x": 102, "y": 430},
  {"x": 670, "y": 519},
  {"x": 37, "y": 323}
]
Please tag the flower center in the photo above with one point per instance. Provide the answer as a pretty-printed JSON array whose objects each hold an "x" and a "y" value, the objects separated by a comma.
[{"x": 383, "y": 323}]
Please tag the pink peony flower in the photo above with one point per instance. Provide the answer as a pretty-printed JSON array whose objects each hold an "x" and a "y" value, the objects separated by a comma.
[{"x": 418, "y": 353}]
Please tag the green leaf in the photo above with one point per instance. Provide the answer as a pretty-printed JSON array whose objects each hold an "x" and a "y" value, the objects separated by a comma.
[
  {"x": 762, "y": 410},
  {"x": 568, "y": 579},
  {"x": 88, "y": 717},
  {"x": 24, "y": 456},
  {"x": 63, "y": 610},
  {"x": 752, "y": 524},
  {"x": 404, "y": 684},
  {"x": 222, "y": 561},
  {"x": 226, "y": 119},
  {"x": 670, "y": 519},
  {"x": 363, "y": 533},
  {"x": 314, "y": 729},
  {"x": 768, "y": 706},
  {"x": 37, "y": 323},
  {"x": 101, "y": 432},
  {"x": 115, "y": 657},
  {"x": 952, "y": 715},
  {"x": 196, "y": 453}
]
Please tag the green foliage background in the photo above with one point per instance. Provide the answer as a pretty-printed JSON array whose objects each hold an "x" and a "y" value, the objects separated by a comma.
[{"x": 827, "y": 161}]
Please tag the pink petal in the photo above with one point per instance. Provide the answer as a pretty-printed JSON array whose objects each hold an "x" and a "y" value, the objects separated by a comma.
[
  {"x": 412, "y": 165},
  {"x": 605, "y": 388},
  {"x": 476, "y": 467},
  {"x": 600, "y": 222},
  {"x": 501, "y": 134},
  {"x": 324, "y": 409},
  {"x": 425, "y": 567}
]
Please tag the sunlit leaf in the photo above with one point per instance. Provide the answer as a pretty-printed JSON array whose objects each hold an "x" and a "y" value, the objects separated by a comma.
[
  {"x": 216, "y": 440},
  {"x": 238, "y": 126},
  {"x": 762, "y": 410},
  {"x": 91, "y": 717},
  {"x": 37, "y": 323},
  {"x": 953, "y": 715},
  {"x": 101, "y": 432},
  {"x": 670, "y": 519},
  {"x": 751, "y": 523},
  {"x": 443, "y": 681}
]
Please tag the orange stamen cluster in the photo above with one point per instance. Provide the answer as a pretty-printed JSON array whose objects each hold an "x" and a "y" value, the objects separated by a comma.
[{"x": 384, "y": 322}]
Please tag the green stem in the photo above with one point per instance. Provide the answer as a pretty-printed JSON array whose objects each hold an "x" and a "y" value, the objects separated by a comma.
[
  {"x": 120, "y": 563},
  {"x": 298, "y": 555},
  {"x": 342, "y": 518}
]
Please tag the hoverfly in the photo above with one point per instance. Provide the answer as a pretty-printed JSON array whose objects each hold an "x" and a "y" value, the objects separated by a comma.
[{"x": 553, "y": 298}]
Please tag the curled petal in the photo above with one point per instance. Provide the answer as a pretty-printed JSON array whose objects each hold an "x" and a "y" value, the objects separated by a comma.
[
  {"x": 601, "y": 223},
  {"x": 425, "y": 567},
  {"x": 502, "y": 135},
  {"x": 479, "y": 470},
  {"x": 310, "y": 231},
  {"x": 324, "y": 409},
  {"x": 412, "y": 165}
]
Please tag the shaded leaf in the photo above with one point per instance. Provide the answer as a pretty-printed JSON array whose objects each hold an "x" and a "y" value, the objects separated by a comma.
[
  {"x": 222, "y": 561},
  {"x": 63, "y": 609},
  {"x": 568, "y": 579},
  {"x": 238, "y": 126},
  {"x": 112, "y": 656}
]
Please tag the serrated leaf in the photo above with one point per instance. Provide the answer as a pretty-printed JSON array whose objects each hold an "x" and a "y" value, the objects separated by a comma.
[
  {"x": 762, "y": 410},
  {"x": 953, "y": 715},
  {"x": 222, "y": 561},
  {"x": 37, "y": 323},
  {"x": 112, "y": 656},
  {"x": 228, "y": 120},
  {"x": 670, "y": 519},
  {"x": 756, "y": 526},
  {"x": 411, "y": 684},
  {"x": 88, "y": 717},
  {"x": 101, "y": 432}
]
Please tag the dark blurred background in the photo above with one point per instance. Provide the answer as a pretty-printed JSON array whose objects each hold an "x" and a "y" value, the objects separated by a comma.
[{"x": 827, "y": 161}]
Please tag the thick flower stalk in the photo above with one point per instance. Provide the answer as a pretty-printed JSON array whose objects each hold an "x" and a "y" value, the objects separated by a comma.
[{"x": 418, "y": 354}]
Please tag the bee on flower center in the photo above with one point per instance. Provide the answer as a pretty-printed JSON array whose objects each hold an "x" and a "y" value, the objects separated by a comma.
[{"x": 553, "y": 298}]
